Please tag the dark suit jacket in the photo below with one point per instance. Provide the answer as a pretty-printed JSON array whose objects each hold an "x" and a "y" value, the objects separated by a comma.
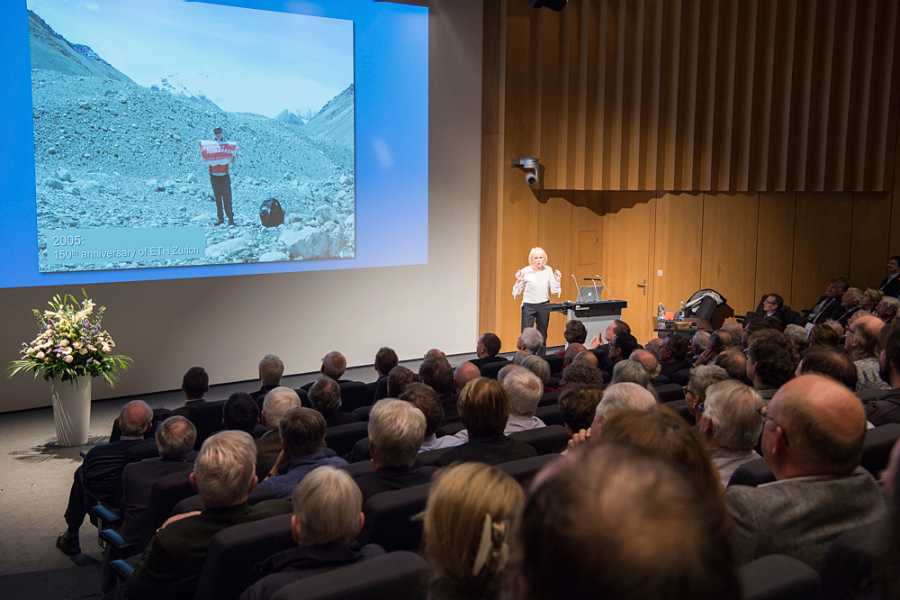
[
  {"x": 381, "y": 388},
  {"x": 800, "y": 517},
  {"x": 492, "y": 451},
  {"x": 480, "y": 362},
  {"x": 205, "y": 415},
  {"x": 831, "y": 310},
  {"x": 884, "y": 409},
  {"x": 172, "y": 562},
  {"x": 339, "y": 418},
  {"x": 138, "y": 524},
  {"x": 298, "y": 563},
  {"x": 102, "y": 468},
  {"x": 260, "y": 394},
  {"x": 677, "y": 371},
  {"x": 890, "y": 288},
  {"x": 267, "y": 448},
  {"x": 448, "y": 403},
  {"x": 846, "y": 314},
  {"x": 387, "y": 479}
]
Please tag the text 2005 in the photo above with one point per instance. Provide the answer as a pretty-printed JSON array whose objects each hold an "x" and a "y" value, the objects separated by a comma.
[{"x": 66, "y": 240}]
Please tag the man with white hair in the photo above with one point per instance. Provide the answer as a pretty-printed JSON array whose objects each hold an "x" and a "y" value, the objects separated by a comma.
[
  {"x": 276, "y": 404},
  {"x": 631, "y": 371},
  {"x": 271, "y": 370},
  {"x": 616, "y": 398},
  {"x": 99, "y": 478},
  {"x": 396, "y": 431},
  {"x": 530, "y": 342},
  {"x": 730, "y": 425},
  {"x": 224, "y": 474},
  {"x": 525, "y": 390},
  {"x": 535, "y": 283}
]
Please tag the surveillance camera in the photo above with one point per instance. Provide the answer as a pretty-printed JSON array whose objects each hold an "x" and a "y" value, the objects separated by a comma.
[
  {"x": 532, "y": 167},
  {"x": 532, "y": 178}
]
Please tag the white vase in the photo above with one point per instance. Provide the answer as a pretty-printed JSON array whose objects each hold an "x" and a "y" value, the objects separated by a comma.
[{"x": 71, "y": 410}]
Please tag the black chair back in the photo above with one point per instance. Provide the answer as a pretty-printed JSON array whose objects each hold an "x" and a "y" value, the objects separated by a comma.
[
  {"x": 234, "y": 552},
  {"x": 491, "y": 369},
  {"x": 779, "y": 577},
  {"x": 524, "y": 469},
  {"x": 669, "y": 392},
  {"x": 556, "y": 363},
  {"x": 389, "y": 520},
  {"x": 753, "y": 473},
  {"x": 850, "y": 564},
  {"x": 398, "y": 576},
  {"x": 165, "y": 493},
  {"x": 546, "y": 440},
  {"x": 206, "y": 417},
  {"x": 354, "y": 394},
  {"x": 549, "y": 414},
  {"x": 363, "y": 467},
  {"x": 342, "y": 438},
  {"x": 877, "y": 447},
  {"x": 549, "y": 398}
]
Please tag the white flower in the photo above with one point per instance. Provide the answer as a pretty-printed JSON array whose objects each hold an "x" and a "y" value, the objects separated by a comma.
[
  {"x": 83, "y": 351},
  {"x": 76, "y": 345},
  {"x": 106, "y": 348},
  {"x": 39, "y": 355},
  {"x": 92, "y": 348},
  {"x": 69, "y": 358},
  {"x": 64, "y": 342}
]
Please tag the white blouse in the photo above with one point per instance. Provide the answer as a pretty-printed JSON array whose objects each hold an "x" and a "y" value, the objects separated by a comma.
[{"x": 536, "y": 285}]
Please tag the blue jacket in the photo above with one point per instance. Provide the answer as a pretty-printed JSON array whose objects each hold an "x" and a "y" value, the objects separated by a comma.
[{"x": 282, "y": 486}]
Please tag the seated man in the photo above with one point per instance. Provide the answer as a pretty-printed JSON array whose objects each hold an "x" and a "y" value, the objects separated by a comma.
[
  {"x": 486, "y": 349},
  {"x": 833, "y": 363},
  {"x": 437, "y": 373},
  {"x": 862, "y": 343},
  {"x": 734, "y": 361},
  {"x": 465, "y": 373},
  {"x": 484, "y": 409},
  {"x": 729, "y": 425},
  {"x": 334, "y": 365},
  {"x": 277, "y": 403},
  {"x": 633, "y": 371},
  {"x": 224, "y": 474},
  {"x": 580, "y": 373},
  {"x": 828, "y": 306},
  {"x": 302, "y": 450},
  {"x": 99, "y": 478},
  {"x": 398, "y": 379},
  {"x": 525, "y": 391},
  {"x": 175, "y": 441},
  {"x": 695, "y": 391},
  {"x": 195, "y": 384},
  {"x": 530, "y": 341},
  {"x": 770, "y": 362},
  {"x": 649, "y": 361},
  {"x": 577, "y": 405},
  {"x": 327, "y": 518},
  {"x": 675, "y": 359},
  {"x": 885, "y": 408},
  {"x": 385, "y": 360},
  {"x": 396, "y": 431},
  {"x": 812, "y": 441},
  {"x": 271, "y": 370},
  {"x": 617, "y": 398},
  {"x": 425, "y": 399},
  {"x": 887, "y": 309},
  {"x": 325, "y": 397}
]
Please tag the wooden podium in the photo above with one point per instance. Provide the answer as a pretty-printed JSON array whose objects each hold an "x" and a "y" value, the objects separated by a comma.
[{"x": 596, "y": 316}]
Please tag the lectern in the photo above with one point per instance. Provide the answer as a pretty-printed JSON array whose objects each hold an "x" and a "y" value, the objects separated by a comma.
[{"x": 596, "y": 316}]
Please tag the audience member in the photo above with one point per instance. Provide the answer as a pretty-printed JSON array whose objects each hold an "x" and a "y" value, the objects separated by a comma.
[
  {"x": 617, "y": 398},
  {"x": 99, "y": 478},
  {"x": 334, "y": 365},
  {"x": 224, "y": 475},
  {"x": 825, "y": 336},
  {"x": 734, "y": 330},
  {"x": 425, "y": 399},
  {"x": 530, "y": 342},
  {"x": 616, "y": 521},
  {"x": 325, "y": 397},
  {"x": 195, "y": 384},
  {"x": 675, "y": 359},
  {"x": 276, "y": 404},
  {"x": 470, "y": 521},
  {"x": 465, "y": 373},
  {"x": 241, "y": 412},
  {"x": 586, "y": 357},
  {"x": 575, "y": 332},
  {"x": 734, "y": 361},
  {"x": 862, "y": 345},
  {"x": 578, "y": 405},
  {"x": 487, "y": 349},
  {"x": 539, "y": 367},
  {"x": 890, "y": 285},
  {"x": 327, "y": 518},
  {"x": 438, "y": 373},
  {"x": 615, "y": 328},
  {"x": 396, "y": 432},
  {"x": 770, "y": 362},
  {"x": 830, "y": 363},
  {"x": 484, "y": 409},
  {"x": 271, "y": 370},
  {"x": 398, "y": 378},
  {"x": 385, "y": 360},
  {"x": 695, "y": 391},
  {"x": 729, "y": 425},
  {"x": 828, "y": 306},
  {"x": 622, "y": 346},
  {"x": 302, "y": 450},
  {"x": 650, "y": 363},
  {"x": 770, "y": 306},
  {"x": 812, "y": 441},
  {"x": 799, "y": 339},
  {"x": 871, "y": 298},
  {"x": 654, "y": 347},
  {"x": 700, "y": 342},
  {"x": 887, "y": 308},
  {"x": 525, "y": 391},
  {"x": 851, "y": 301},
  {"x": 885, "y": 408},
  {"x": 582, "y": 374},
  {"x": 633, "y": 371},
  {"x": 434, "y": 353},
  {"x": 175, "y": 439},
  {"x": 571, "y": 351}
]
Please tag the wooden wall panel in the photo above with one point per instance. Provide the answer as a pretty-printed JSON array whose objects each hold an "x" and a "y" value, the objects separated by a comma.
[
  {"x": 728, "y": 257},
  {"x": 715, "y": 95},
  {"x": 870, "y": 238},
  {"x": 775, "y": 245},
  {"x": 677, "y": 236},
  {"x": 821, "y": 244}
]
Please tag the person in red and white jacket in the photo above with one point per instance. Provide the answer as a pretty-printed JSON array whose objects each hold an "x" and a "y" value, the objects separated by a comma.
[{"x": 220, "y": 178}]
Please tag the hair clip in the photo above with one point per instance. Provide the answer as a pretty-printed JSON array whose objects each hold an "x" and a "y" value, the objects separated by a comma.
[{"x": 492, "y": 542}]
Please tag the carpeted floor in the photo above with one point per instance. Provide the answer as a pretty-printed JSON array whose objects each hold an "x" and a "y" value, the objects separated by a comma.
[{"x": 35, "y": 477}]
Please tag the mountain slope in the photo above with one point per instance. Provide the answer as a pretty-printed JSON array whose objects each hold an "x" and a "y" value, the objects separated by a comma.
[{"x": 334, "y": 124}]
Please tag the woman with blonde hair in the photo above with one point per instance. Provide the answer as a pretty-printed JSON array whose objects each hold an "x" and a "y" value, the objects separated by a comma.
[{"x": 471, "y": 518}]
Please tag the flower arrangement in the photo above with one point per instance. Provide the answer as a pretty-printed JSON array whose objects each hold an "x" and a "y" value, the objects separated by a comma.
[{"x": 71, "y": 343}]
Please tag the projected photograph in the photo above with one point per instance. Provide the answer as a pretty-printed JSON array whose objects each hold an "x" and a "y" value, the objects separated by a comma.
[{"x": 172, "y": 133}]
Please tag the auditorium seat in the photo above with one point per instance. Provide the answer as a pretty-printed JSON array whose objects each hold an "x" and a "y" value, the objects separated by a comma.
[
  {"x": 549, "y": 398},
  {"x": 389, "y": 518},
  {"x": 524, "y": 469},
  {"x": 341, "y": 438},
  {"x": 396, "y": 576},
  {"x": 546, "y": 440},
  {"x": 206, "y": 417},
  {"x": 234, "y": 553},
  {"x": 451, "y": 428},
  {"x": 491, "y": 369},
  {"x": 753, "y": 473},
  {"x": 549, "y": 414},
  {"x": 877, "y": 447},
  {"x": 669, "y": 392},
  {"x": 372, "y": 389},
  {"x": 359, "y": 452},
  {"x": 779, "y": 577},
  {"x": 849, "y": 567},
  {"x": 362, "y": 413},
  {"x": 556, "y": 363},
  {"x": 356, "y": 469},
  {"x": 354, "y": 394}
]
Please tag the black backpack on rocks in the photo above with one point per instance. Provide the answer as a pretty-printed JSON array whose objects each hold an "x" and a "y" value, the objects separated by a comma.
[{"x": 270, "y": 213}]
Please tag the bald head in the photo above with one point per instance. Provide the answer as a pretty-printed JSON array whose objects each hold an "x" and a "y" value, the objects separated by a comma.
[
  {"x": 815, "y": 426},
  {"x": 648, "y": 361},
  {"x": 333, "y": 365},
  {"x": 465, "y": 373},
  {"x": 586, "y": 357},
  {"x": 135, "y": 418}
]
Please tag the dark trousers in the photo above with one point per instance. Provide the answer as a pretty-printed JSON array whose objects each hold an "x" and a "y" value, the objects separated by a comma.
[
  {"x": 76, "y": 509},
  {"x": 537, "y": 315},
  {"x": 221, "y": 185}
]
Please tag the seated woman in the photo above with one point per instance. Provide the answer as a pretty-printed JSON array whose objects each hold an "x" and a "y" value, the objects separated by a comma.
[
  {"x": 484, "y": 409},
  {"x": 471, "y": 518},
  {"x": 770, "y": 306},
  {"x": 327, "y": 519}
]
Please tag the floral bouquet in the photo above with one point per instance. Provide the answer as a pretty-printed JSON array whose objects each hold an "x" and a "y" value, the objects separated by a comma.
[{"x": 71, "y": 343}]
